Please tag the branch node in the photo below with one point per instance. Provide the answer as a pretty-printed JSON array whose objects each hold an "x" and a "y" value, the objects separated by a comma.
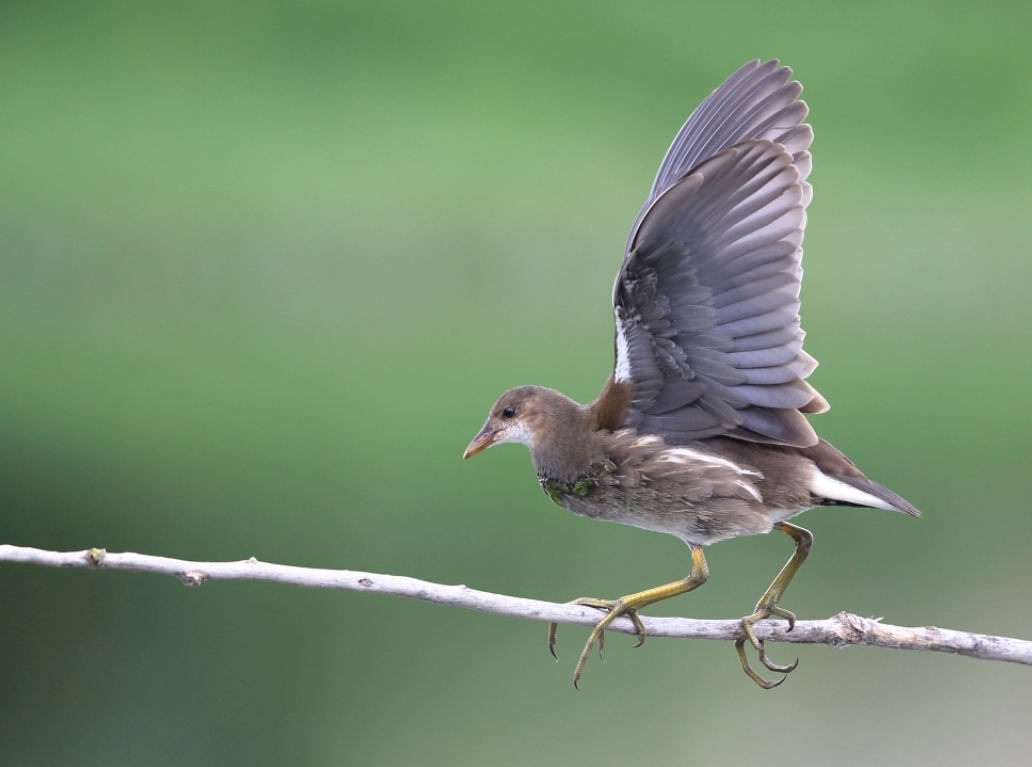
[
  {"x": 193, "y": 578},
  {"x": 95, "y": 558},
  {"x": 852, "y": 629}
]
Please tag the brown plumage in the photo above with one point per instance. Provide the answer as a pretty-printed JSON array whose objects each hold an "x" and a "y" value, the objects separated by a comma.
[{"x": 699, "y": 431}]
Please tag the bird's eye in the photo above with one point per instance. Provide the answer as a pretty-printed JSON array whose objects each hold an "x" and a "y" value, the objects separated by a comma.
[{"x": 509, "y": 412}]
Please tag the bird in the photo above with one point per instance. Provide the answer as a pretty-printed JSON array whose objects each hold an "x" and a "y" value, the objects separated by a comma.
[{"x": 700, "y": 430}]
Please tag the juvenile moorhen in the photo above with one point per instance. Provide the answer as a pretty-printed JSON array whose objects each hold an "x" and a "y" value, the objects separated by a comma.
[{"x": 699, "y": 431}]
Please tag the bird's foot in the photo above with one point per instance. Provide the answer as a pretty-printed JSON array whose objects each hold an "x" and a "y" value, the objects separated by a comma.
[
  {"x": 629, "y": 605},
  {"x": 615, "y": 608},
  {"x": 764, "y": 611}
]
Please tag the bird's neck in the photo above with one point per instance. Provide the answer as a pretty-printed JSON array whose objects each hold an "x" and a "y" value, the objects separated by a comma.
[{"x": 567, "y": 450}]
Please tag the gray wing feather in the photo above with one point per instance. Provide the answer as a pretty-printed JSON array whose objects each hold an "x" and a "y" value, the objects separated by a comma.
[
  {"x": 707, "y": 303},
  {"x": 756, "y": 102}
]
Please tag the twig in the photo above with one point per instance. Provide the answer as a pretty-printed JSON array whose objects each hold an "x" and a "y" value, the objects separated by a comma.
[{"x": 838, "y": 631}]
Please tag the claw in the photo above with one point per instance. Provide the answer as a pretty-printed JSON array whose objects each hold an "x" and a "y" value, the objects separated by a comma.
[
  {"x": 764, "y": 611},
  {"x": 598, "y": 634},
  {"x": 553, "y": 630},
  {"x": 766, "y": 684},
  {"x": 639, "y": 627},
  {"x": 629, "y": 606},
  {"x": 774, "y": 666},
  {"x": 781, "y": 612},
  {"x": 614, "y": 609},
  {"x": 768, "y": 606}
]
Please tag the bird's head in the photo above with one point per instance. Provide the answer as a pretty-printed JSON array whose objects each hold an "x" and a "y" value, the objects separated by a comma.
[{"x": 529, "y": 415}]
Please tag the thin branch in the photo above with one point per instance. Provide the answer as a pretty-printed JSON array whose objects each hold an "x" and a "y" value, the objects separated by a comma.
[{"x": 840, "y": 630}]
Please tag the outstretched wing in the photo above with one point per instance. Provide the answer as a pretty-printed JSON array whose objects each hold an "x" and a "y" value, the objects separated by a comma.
[
  {"x": 707, "y": 301},
  {"x": 756, "y": 102}
]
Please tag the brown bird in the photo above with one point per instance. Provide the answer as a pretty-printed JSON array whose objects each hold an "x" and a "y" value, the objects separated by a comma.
[{"x": 699, "y": 431}]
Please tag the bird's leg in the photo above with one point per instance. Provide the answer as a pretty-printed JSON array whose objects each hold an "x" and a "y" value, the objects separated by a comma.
[
  {"x": 768, "y": 606},
  {"x": 629, "y": 606}
]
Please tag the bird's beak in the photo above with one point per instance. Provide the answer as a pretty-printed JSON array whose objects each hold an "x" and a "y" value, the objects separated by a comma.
[{"x": 484, "y": 439}]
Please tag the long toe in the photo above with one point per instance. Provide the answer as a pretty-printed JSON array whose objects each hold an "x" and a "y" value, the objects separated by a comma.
[
  {"x": 774, "y": 666},
  {"x": 766, "y": 684}
]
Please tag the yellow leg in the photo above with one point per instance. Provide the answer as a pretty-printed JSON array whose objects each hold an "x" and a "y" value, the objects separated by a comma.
[
  {"x": 768, "y": 606},
  {"x": 629, "y": 606}
]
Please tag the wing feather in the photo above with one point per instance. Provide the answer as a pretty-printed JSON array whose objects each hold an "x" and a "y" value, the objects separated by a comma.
[{"x": 707, "y": 300}]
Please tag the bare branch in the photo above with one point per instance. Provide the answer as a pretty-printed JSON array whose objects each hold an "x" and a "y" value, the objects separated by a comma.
[{"x": 839, "y": 631}]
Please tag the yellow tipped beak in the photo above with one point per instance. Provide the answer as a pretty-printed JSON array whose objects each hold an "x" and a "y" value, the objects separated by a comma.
[{"x": 484, "y": 439}]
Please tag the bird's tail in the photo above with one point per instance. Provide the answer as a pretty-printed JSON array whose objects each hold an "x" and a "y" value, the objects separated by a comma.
[
  {"x": 840, "y": 483},
  {"x": 893, "y": 502}
]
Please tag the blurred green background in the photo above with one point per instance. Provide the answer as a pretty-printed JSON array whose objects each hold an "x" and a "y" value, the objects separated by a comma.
[{"x": 263, "y": 268}]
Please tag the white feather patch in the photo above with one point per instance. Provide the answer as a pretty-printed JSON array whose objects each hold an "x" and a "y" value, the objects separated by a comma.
[
  {"x": 824, "y": 486},
  {"x": 646, "y": 441},
  {"x": 780, "y": 515},
  {"x": 750, "y": 488},
  {"x": 516, "y": 431},
  {"x": 623, "y": 360},
  {"x": 687, "y": 455}
]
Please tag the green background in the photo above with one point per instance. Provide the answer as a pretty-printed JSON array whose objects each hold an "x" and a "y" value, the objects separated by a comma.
[{"x": 264, "y": 266}]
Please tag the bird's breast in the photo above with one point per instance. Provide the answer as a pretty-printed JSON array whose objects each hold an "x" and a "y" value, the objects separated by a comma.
[{"x": 562, "y": 491}]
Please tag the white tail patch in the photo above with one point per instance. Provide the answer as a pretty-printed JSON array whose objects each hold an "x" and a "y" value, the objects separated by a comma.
[
  {"x": 687, "y": 455},
  {"x": 826, "y": 487},
  {"x": 623, "y": 360}
]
